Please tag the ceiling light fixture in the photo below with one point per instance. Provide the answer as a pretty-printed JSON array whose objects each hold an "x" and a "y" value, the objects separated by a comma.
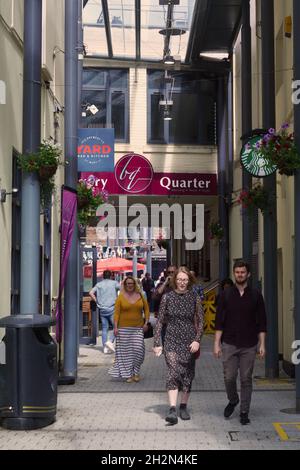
[
  {"x": 169, "y": 60},
  {"x": 215, "y": 55},
  {"x": 167, "y": 115}
]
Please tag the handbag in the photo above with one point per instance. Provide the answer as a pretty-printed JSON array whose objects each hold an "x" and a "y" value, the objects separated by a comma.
[{"x": 149, "y": 332}]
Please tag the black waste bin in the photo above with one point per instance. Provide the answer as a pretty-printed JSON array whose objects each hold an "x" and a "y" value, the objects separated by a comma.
[{"x": 28, "y": 375}]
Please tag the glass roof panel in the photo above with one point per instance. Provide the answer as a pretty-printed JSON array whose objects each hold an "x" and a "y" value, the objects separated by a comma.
[
  {"x": 154, "y": 19},
  {"x": 94, "y": 36},
  {"x": 122, "y": 23}
]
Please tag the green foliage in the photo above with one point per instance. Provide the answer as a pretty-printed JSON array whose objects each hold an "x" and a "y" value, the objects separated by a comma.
[
  {"x": 255, "y": 198},
  {"x": 44, "y": 162},
  {"x": 216, "y": 231},
  {"x": 88, "y": 201},
  {"x": 280, "y": 148}
]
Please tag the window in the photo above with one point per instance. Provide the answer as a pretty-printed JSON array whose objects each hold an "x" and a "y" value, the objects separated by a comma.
[
  {"x": 108, "y": 91},
  {"x": 193, "y": 109}
]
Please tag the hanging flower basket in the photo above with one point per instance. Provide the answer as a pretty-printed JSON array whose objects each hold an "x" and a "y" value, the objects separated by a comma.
[
  {"x": 82, "y": 201},
  {"x": 88, "y": 201},
  {"x": 255, "y": 198},
  {"x": 216, "y": 231},
  {"x": 46, "y": 172},
  {"x": 44, "y": 163},
  {"x": 281, "y": 150}
]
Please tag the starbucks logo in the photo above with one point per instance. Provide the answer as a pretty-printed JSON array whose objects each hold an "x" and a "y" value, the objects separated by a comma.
[{"x": 253, "y": 161}]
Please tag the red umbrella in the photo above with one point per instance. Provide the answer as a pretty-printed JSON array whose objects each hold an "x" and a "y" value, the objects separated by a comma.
[{"x": 117, "y": 265}]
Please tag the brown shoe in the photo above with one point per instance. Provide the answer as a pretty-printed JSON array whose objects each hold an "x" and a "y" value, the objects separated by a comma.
[
  {"x": 136, "y": 378},
  {"x": 130, "y": 380}
]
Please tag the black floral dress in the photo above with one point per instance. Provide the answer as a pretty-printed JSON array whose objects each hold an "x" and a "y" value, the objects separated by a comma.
[{"x": 183, "y": 315}]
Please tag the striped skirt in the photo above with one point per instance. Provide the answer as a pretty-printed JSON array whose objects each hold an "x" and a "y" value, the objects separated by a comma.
[{"x": 130, "y": 353}]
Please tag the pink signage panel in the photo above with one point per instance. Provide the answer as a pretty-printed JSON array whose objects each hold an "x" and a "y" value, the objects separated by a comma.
[
  {"x": 162, "y": 184},
  {"x": 134, "y": 175}
]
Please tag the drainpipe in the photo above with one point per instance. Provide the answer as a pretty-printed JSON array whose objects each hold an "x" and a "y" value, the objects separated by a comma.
[
  {"x": 30, "y": 210},
  {"x": 270, "y": 218},
  {"x": 222, "y": 178},
  {"x": 296, "y": 16},
  {"x": 71, "y": 304},
  {"x": 246, "y": 118}
]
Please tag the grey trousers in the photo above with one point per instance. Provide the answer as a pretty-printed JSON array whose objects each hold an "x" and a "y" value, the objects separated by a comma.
[{"x": 235, "y": 359}]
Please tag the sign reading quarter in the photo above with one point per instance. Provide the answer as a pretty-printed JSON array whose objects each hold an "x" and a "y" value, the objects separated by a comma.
[{"x": 253, "y": 161}]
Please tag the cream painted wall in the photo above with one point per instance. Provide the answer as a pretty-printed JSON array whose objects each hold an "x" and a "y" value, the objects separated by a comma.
[
  {"x": 285, "y": 189},
  {"x": 285, "y": 198},
  {"x": 11, "y": 70}
]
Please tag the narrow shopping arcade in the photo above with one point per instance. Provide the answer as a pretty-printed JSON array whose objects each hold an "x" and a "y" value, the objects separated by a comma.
[{"x": 149, "y": 225}]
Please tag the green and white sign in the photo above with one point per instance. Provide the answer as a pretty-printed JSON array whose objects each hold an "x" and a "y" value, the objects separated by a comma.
[{"x": 253, "y": 161}]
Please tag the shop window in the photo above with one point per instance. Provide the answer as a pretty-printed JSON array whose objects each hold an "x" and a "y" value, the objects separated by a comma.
[
  {"x": 107, "y": 90},
  {"x": 193, "y": 109}
]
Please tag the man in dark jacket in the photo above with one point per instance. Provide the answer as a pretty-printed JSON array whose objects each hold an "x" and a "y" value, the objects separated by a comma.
[{"x": 240, "y": 334}]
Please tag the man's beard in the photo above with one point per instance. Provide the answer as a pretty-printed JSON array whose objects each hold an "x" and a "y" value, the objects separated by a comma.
[{"x": 241, "y": 282}]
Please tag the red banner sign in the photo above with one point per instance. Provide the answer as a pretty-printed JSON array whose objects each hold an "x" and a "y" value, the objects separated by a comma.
[{"x": 161, "y": 184}]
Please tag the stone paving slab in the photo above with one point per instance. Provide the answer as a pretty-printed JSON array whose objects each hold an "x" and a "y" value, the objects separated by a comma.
[{"x": 98, "y": 413}]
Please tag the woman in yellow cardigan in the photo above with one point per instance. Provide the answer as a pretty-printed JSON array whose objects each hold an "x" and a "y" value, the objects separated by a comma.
[{"x": 130, "y": 322}]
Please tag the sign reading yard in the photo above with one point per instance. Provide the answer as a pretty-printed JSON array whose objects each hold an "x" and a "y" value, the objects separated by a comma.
[{"x": 96, "y": 150}]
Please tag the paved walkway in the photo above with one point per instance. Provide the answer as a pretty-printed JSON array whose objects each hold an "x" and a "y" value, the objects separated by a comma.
[{"x": 100, "y": 413}]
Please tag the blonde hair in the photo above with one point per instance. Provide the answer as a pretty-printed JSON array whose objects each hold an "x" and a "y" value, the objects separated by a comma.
[
  {"x": 182, "y": 269},
  {"x": 136, "y": 286}
]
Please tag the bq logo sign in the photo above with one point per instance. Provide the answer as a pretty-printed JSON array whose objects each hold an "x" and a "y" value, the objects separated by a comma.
[{"x": 134, "y": 173}]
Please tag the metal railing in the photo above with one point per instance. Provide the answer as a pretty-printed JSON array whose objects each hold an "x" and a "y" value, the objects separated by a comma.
[{"x": 211, "y": 286}]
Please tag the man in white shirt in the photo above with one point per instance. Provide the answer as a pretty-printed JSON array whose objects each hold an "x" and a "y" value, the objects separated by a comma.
[{"x": 106, "y": 293}]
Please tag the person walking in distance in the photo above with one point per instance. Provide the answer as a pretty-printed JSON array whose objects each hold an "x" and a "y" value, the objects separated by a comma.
[
  {"x": 130, "y": 323},
  {"x": 181, "y": 311},
  {"x": 106, "y": 293},
  {"x": 148, "y": 286},
  {"x": 241, "y": 328}
]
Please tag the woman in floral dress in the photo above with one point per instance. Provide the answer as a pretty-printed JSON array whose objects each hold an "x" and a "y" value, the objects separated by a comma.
[{"x": 182, "y": 311}]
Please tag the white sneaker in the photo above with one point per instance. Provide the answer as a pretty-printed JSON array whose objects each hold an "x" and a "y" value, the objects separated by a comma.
[
  {"x": 106, "y": 350},
  {"x": 110, "y": 346}
]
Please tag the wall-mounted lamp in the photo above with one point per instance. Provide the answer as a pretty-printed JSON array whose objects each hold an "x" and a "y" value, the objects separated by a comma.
[{"x": 4, "y": 193}]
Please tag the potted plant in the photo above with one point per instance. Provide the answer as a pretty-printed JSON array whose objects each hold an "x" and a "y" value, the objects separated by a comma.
[
  {"x": 216, "y": 231},
  {"x": 280, "y": 148},
  {"x": 255, "y": 198},
  {"x": 88, "y": 200},
  {"x": 44, "y": 162}
]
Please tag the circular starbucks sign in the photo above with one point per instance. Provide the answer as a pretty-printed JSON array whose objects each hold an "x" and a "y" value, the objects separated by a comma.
[{"x": 253, "y": 161}]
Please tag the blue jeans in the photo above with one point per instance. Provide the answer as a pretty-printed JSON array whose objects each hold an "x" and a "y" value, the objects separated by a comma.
[{"x": 106, "y": 315}]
